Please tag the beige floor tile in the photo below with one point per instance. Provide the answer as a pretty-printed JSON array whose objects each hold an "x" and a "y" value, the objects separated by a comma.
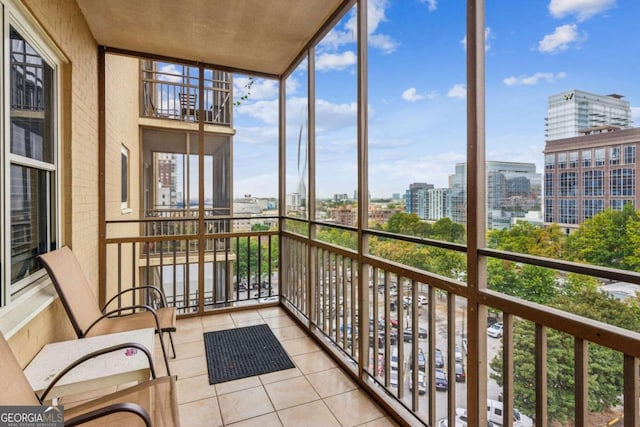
[
  {"x": 289, "y": 333},
  {"x": 292, "y": 392},
  {"x": 271, "y": 312},
  {"x": 249, "y": 322},
  {"x": 280, "y": 321},
  {"x": 182, "y": 336},
  {"x": 331, "y": 382},
  {"x": 237, "y": 385},
  {"x": 269, "y": 420},
  {"x": 243, "y": 316},
  {"x": 285, "y": 374},
  {"x": 187, "y": 350},
  {"x": 194, "y": 388},
  {"x": 244, "y": 404},
  {"x": 188, "y": 323},
  {"x": 353, "y": 408},
  {"x": 380, "y": 422},
  {"x": 314, "y": 414},
  {"x": 218, "y": 327},
  {"x": 205, "y": 412},
  {"x": 215, "y": 319},
  {"x": 300, "y": 346},
  {"x": 185, "y": 368},
  {"x": 310, "y": 363}
]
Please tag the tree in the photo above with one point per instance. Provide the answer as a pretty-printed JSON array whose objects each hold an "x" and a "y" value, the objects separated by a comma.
[
  {"x": 527, "y": 238},
  {"x": 449, "y": 231},
  {"x": 529, "y": 282},
  {"x": 606, "y": 239},
  {"x": 408, "y": 224}
]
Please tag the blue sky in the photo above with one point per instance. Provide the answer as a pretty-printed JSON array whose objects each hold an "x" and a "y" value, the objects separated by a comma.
[{"x": 417, "y": 91}]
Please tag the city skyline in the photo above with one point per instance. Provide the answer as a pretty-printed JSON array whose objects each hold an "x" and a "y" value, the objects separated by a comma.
[{"x": 417, "y": 108}]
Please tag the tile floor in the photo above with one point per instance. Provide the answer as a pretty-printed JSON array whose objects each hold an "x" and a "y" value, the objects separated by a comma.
[{"x": 315, "y": 393}]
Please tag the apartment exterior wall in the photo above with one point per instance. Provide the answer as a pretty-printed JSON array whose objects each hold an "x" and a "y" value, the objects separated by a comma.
[
  {"x": 65, "y": 25},
  {"x": 578, "y": 176}
]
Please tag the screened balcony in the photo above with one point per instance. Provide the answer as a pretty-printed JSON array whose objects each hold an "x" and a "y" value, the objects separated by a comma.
[{"x": 380, "y": 313}]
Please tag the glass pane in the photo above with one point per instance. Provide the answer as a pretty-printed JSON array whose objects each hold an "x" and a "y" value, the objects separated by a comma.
[
  {"x": 336, "y": 133},
  {"x": 32, "y": 121},
  {"x": 417, "y": 113},
  {"x": 30, "y": 220},
  {"x": 297, "y": 163}
]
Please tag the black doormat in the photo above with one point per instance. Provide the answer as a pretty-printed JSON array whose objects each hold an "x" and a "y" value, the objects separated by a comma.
[{"x": 243, "y": 352}]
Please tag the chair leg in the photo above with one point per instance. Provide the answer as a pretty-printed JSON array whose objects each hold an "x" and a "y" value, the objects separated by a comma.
[
  {"x": 164, "y": 352},
  {"x": 173, "y": 347}
]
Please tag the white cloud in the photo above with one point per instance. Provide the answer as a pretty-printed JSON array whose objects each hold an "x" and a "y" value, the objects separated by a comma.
[
  {"x": 335, "y": 61},
  {"x": 258, "y": 90},
  {"x": 582, "y": 9},
  {"x": 560, "y": 39},
  {"x": 457, "y": 91},
  {"x": 487, "y": 40},
  {"x": 534, "y": 79},
  {"x": 375, "y": 15},
  {"x": 171, "y": 73},
  {"x": 266, "y": 111},
  {"x": 431, "y": 4},
  {"x": 412, "y": 95}
]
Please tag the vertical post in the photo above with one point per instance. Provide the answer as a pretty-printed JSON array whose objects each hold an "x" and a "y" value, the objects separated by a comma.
[
  {"x": 363, "y": 187},
  {"x": 201, "y": 221},
  {"x": 311, "y": 177},
  {"x": 285, "y": 262},
  {"x": 102, "y": 145},
  {"x": 476, "y": 216}
]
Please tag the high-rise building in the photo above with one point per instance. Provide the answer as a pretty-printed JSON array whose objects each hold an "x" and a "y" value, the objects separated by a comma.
[
  {"x": 587, "y": 174},
  {"x": 416, "y": 198},
  {"x": 513, "y": 189},
  {"x": 571, "y": 113},
  {"x": 439, "y": 204}
]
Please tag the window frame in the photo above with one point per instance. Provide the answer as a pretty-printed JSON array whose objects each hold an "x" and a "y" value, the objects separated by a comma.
[
  {"x": 16, "y": 17},
  {"x": 125, "y": 179}
]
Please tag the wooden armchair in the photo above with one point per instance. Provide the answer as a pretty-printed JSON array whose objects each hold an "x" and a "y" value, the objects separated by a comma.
[
  {"x": 86, "y": 316},
  {"x": 149, "y": 403}
]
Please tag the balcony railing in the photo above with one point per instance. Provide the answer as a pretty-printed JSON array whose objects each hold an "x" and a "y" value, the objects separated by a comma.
[
  {"x": 417, "y": 323},
  {"x": 197, "y": 271},
  {"x": 173, "y": 94}
]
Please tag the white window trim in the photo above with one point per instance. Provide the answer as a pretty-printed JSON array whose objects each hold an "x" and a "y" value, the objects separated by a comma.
[
  {"x": 29, "y": 302},
  {"x": 125, "y": 207}
]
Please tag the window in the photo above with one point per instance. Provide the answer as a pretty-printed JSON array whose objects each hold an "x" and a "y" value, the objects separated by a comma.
[
  {"x": 618, "y": 204},
  {"x": 614, "y": 155},
  {"x": 548, "y": 184},
  {"x": 573, "y": 159},
  {"x": 549, "y": 159},
  {"x": 599, "y": 156},
  {"x": 568, "y": 184},
  {"x": 124, "y": 182},
  {"x": 622, "y": 182},
  {"x": 562, "y": 160},
  {"x": 586, "y": 158},
  {"x": 548, "y": 211},
  {"x": 568, "y": 213},
  {"x": 629, "y": 154},
  {"x": 592, "y": 207},
  {"x": 593, "y": 183},
  {"x": 31, "y": 166}
]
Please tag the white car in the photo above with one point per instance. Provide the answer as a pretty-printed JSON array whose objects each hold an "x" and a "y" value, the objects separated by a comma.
[
  {"x": 495, "y": 330},
  {"x": 461, "y": 420}
]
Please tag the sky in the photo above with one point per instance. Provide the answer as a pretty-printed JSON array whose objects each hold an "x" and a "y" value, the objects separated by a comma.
[{"x": 417, "y": 91}]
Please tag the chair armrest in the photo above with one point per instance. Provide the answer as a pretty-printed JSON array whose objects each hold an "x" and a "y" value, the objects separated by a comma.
[
  {"x": 136, "y": 288},
  {"x": 97, "y": 353},
  {"x": 120, "y": 310},
  {"x": 133, "y": 408}
]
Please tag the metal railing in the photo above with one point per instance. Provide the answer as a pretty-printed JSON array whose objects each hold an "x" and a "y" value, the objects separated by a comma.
[
  {"x": 197, "y": 271},
  {"x": 171, "y": 92},
  {"x": 406, "y": 311}
]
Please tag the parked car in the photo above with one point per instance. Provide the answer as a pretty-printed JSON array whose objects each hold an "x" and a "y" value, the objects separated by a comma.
[
  {"x": 422, "y": 364},
  {"x": 461, "y": 420},
  {"x": 408, "y": 334},
  {"x": 441, "y": 380},
  {"x": 494, "y": 414},
  {"x": 422, "y": 300},
  {"x": 461, "y": 375},
  {"x": 422, "y": 382},
  {"x": 439, "y": 358},
  {"x": 458, "y": 354},
  {"x": 495, "y": 330}
]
